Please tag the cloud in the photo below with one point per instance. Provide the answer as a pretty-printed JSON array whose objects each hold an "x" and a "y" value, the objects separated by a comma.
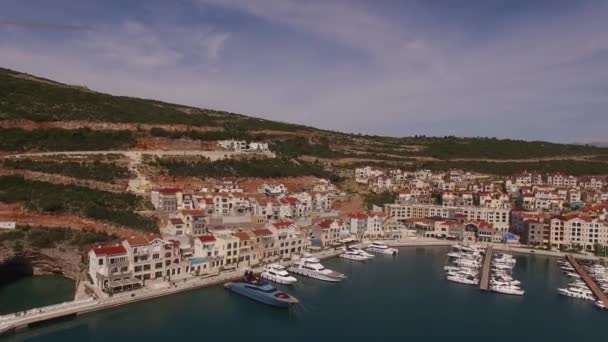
[
  {"x": 46, "y": 26},
  {"x": 212, "y": 42},
  {"x": 344, "y": 66}
]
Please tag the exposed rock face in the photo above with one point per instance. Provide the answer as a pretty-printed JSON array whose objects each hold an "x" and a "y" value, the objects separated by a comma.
[{"x": 34, "y": 262}]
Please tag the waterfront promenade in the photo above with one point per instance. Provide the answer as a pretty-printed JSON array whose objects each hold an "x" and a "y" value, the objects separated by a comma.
[{"x": 21, "y": 320}]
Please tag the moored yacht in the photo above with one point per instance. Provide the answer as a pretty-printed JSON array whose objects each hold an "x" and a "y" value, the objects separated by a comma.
[
  {"x": 353, "y": 256},
  {"x": 311, "y": 267},
  {"x": 362, "y": 253},
  {"x": 507, "y": 289},
  {"x": 576, "y": 292},
  {"x": 278, "y": 274},
  {"x": 463, "y": 278},
  {"x": 258, "y": 290},
  {"x": 377, "y": 247}
]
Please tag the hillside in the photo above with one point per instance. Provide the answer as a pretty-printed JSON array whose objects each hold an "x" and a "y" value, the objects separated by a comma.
[{"x": 38, "y": 114}]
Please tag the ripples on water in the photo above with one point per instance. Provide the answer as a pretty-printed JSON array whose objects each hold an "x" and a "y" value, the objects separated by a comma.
[{"x": 401, "y": 298}]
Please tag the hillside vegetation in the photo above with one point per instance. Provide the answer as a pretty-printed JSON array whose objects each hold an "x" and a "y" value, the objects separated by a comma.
[
  {"x": 27, "y": 97},
  {"x": 96, "y": 170},
  {"x": 50, "y": 198},
  {"x": 14, "y": 139},
  {"x": 259, "y": 168}
]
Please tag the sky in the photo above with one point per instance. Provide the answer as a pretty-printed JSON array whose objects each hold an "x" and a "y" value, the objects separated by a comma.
[{"x": 524, "y": 69}]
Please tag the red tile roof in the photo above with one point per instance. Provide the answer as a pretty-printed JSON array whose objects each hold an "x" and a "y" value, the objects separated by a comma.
[
  {"x": 242, "y": 236},
  {"x": 141, "y": 240},
  {"x": 206, "y": 238},
  {"x": 109, "y": 250},
  {"x": 289, "y": 200},
  {"x": 193, "y": 212},
  {"x": 169, "y": 191},
  {"x": 357, "y": 215},
  {"x": 282, "y": 224},
  {"x": 176, "y": 221},
  {"x": 262, "y": 232},
  {"x": 325, "y": 223}
]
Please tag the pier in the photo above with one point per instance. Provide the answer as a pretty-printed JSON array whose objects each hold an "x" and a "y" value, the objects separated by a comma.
[
  {"x": 484, "y": 282},
  {"x": 597, "y": 291}
]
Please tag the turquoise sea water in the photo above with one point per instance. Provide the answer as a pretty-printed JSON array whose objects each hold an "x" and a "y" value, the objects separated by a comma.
[{"x": 401, "y": 298}]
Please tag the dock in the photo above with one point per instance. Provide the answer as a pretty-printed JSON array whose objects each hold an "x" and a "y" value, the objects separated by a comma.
[
  {"x": 484, "y": 283},
  {"x": 597, "y": 291}
]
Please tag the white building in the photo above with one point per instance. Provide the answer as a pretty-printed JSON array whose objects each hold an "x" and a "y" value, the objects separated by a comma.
[
  {"x": 499, "y": 217},
  {"x": 575, "y": 230}
]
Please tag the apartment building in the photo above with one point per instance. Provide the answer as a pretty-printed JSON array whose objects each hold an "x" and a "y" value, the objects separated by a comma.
[
  {"x": 150, "y": 257},
  {"x": 109, "y": 269},
  {"x": 578, "y": 231},
  {"x": 499, "y": 217}
]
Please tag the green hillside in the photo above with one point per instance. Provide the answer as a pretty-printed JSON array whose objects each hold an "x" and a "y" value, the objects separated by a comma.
[{"x": 40, "y": 100}]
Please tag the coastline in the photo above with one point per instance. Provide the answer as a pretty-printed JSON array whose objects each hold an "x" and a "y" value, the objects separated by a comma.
[{"x": 18, "y": 321}]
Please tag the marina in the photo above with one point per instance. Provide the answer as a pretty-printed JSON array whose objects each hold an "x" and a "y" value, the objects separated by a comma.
[
  {"x": 485, "y": 272},
  {"x": 412, "y": 280},
  {"x": 586, "y": 285}
]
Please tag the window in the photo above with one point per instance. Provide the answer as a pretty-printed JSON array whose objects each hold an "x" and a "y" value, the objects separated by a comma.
[{"x": 100, "y": 262}]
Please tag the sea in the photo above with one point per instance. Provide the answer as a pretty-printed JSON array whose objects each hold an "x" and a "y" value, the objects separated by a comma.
[{"x": 401, "y": 298}]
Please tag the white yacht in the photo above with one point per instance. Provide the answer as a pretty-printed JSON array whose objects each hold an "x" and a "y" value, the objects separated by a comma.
[
  {"x": 362, "y": 253},
  {"x": 507, "y": 289},
  {"x": 454, "y": 255},
  {"x": 463, "y": 279},
  {"x": 502, "y": 266},
  {"x": 576, "y": 292},
  {"x": 469, "y": 248},
  {"x": 353, "y": 256},
  {"x": 278, "y": 274},
  {"x": 377, "y": 247},
  {"x": 573, "y": 275},
  {"x": 311, "y": 267}
]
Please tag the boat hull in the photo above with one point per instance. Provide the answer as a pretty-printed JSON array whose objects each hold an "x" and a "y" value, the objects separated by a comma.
[
  {"x": 317, "y": 275},
  {"x": 387, "y": 251},
  {"x": 353, "y": 258},
  {"x": 258, "y": 296},
  {"x": 278, "y": 280}
]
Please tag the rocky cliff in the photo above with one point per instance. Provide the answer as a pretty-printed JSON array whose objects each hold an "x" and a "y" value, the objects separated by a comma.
[{"x": 39, "y": 262}]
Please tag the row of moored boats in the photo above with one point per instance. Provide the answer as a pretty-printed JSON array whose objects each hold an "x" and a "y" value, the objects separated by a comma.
[
  {"x": 256, "y": 287},
  {"x": 578, "y": 288},
  {"x": 501, "y": 277},
  {"x": 465, "y": 263}
]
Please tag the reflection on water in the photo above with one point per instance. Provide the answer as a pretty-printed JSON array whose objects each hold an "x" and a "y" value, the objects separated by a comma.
[{"x": 403, "y": 298}]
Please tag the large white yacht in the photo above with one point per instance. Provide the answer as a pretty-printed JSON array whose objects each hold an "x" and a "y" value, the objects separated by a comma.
[
  {"x": 507, "y": 289},
  {"x": 278, "y": 274},
  {"x": 362, "y": 253},
  {"x": 311, "y": 267},
  {"x": 353, "y": 256},
  {"x": 463, "y": 279},
  {"x": 577, "y": 292},
  {"x": 378, "y": 247}
]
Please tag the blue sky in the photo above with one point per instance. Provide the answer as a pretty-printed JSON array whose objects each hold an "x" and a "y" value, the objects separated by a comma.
[{"x": 528, "y": 69}]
